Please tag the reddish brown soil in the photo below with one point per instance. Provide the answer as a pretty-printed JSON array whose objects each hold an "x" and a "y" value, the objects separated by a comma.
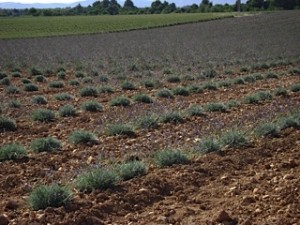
[{"x": 256, "y": 185}]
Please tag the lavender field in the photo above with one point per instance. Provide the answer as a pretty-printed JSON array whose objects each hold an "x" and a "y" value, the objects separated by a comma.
[{"x": 251, "y": 39}]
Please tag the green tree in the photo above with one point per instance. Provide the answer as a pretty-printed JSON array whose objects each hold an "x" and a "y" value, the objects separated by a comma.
[
  {"x": 286, "y": 4},
  {"x": 205, "y": 2},
  {"x": 256, "y": 3},
  {"x": 105, "y": 7},
  {"x": 78, "y": 9},
  {"x": 114, "y": 7},
  {"x": 128, "y": 4},
  {"x": 33, "y": 12},
  {"x": 205, "y": 6},
  {"x": 168, "y": 8},
  {"x": 156, "y": 7}
]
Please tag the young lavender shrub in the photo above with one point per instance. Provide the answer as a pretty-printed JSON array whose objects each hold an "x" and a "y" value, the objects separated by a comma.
[
  {"x": 294, "y": 71},
  {"x": 238, "y": 80},
  {"x": 63, "y": 96},
  {"x": 45, "y": 196},
  {"x": 12, "y": 152},
  {"x": 16, "y": 74},
  {"x": 210, "y": 86},
  {"x": 100, "y": 178},
  {"x": 164, "y": 93},
  {"x": 288, "y": 121},
  {"x": 5, "y": 81},
  {"x": 215, "y": 107},
  {"x": 43, "y": 115},
  {"x": 48, "y": 72},
  {"x": 79, "y": 74},
  {"x": 166, "y": 158},
  {"x": 56, "y": 84},
  {"x": 14, "y": 103},
  {"x": 295, "y": 87},
  {"x": 74, "y": 82},
  {"x": 26, "y": 81},
  {"x": 225, "y": 83},
  {"x": 234, "y": 138},
  {"x": 40, "y": 78},
  {"x": 244, "y": 69},
  {"x": 233, "y": 103},
  {"x": 249, "y": 78},
  {"x": 142, "y": 98},
  {"x": 167, "y": 71},
  {"x": 174, "y": 79},
  {"x": 48, "y": 144},
  {"x": 264, "y": 95},
  {"x": 208, "y": 144},
  {"x": 105, "y": 89},
  {"x": 268, "y": 130},
  {"x": 228, "y": 72},
  {"x": 258, "y": 76},
  {"x": 181, "y": 91},
  {"x": 148, "y": 83},
  {"x": 2, "y": 75},
  {"x": 7, "y": 124},
  {"x": 61, "y": 75},
  {"x": 148, "y": 122},
  {"x": 195, "y": 110},
  {"x": 87, "y": 80},
  {"x": 172, "y": 117},
  {"x": 89, "y": 92},
  {"x": 40, "y": 100},
  {"x": 83, "y": 137},
  {"x": 30, "y": 87},
  {"x": 271, "y": 75},
  {"x": 252, "y": 99},
  {"x": 35, "y": 71},
  {"x": 211, "y": 73},
  {"x": 127, "y": 85},
  {"x": 67, "y": 111},
  {"x": 120, "y": 129},
  {"x": 261, "y": 66},
  {"x": 195, "y": 88},
  {"x": 103, "y": 79},
  {"x": 131, "y": 170},
  {"x": 151, "y": 83},
  {"x": 12, "y": 90},
  {"x": 281, "y": 92},
  {"x": 92, "y": 106},
  {"x": 120, "y": 101},
  {"x": 60, "y": 69}
]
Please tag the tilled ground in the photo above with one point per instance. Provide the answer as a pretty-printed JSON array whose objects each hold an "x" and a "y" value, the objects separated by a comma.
[
  {"x": 242, "y": 39},
  {"x": 255, "y": 185}
]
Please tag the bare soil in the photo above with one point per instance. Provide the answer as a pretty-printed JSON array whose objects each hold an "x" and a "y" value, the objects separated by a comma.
[{"x": 258, "y": 184}]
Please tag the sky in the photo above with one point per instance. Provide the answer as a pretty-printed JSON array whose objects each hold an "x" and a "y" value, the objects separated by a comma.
[{"x": 72, "y": 1}]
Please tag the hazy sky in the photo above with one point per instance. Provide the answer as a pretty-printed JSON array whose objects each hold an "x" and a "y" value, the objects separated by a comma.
[{"x": 121, "y": 1}]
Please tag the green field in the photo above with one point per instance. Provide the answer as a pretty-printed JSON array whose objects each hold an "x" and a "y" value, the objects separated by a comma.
[{"x": 25, "y": 27}]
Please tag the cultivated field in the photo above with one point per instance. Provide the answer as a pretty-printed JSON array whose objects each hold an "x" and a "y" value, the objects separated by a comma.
[
  {"x": 250, "y": 40},
  {"x": 24, "y": 27},
  {"x": 160, "y": 126}
]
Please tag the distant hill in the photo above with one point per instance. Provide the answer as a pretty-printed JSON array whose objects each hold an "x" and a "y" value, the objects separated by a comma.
[
  {"x": 138, "y": 3},
  {"x": 13, "y": 5}
]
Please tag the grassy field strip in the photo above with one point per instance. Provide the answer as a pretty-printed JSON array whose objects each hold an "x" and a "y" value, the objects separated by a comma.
[{"x": 25, "y": 27}]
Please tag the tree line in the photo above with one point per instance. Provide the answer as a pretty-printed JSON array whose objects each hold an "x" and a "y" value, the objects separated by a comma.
[{"x": 112, "y": 7}]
